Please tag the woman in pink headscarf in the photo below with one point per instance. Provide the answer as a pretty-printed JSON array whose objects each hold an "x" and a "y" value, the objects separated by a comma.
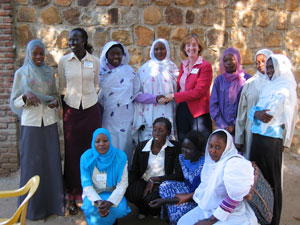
[{"x": 226, "y": 91}]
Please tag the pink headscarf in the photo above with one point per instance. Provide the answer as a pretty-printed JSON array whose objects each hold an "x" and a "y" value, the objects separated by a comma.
[{"x": 236, "y": 79}]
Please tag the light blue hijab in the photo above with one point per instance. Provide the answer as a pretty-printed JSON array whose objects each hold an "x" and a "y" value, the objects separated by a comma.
[{"x": 112, "y": 162}]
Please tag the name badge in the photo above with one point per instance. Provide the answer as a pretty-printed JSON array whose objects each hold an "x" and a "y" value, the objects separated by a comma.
[
  {"x": 101, "y": 180},
  {"x": 88, "y": 64},
  {"x": 195, "y": 71}
]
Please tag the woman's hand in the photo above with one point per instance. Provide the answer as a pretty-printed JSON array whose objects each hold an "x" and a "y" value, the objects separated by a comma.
[
  {"x": 53, "y": 103},
  {"x": 158, "y": 97},
  {"x": 157, "y": 203},
  {"x": 209, "y": 221},
  {"x": 30, "y": 99},
  {"x": 230, "y": 129},
  {"x": 263, "y": 116},
  {"x": 183, "y": 197},
  {"x": 148, "y": 188},
  {"x": 103, "y": 208}
]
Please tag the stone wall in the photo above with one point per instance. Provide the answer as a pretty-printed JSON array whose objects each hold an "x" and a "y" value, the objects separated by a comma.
[{"x": 248, "y": 25}]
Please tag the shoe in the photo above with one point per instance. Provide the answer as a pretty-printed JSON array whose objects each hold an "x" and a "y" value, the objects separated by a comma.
[
  {"x": 73, "y": 208},
  {"x": 141, "y": 216}
]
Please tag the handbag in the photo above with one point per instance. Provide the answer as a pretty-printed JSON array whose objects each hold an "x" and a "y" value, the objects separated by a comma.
[{"x": 261, "y": 197}]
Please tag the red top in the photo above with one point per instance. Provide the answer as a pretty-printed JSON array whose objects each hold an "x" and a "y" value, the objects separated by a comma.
[{"x": 197, "y": 88}]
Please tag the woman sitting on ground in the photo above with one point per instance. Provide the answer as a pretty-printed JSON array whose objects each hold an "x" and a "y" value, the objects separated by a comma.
[
  {"x": 178, "y": 195},
  {"x": 104, "y": 179},
  {"x": 226, "y": 179},
  {"x": 154, "y": 161}
]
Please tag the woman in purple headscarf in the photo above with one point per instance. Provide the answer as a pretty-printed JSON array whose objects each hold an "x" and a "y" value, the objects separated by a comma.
[{"x": 226, "y": 91}]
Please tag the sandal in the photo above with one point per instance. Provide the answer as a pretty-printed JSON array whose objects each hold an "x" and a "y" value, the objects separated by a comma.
[{"x": 73, "y": 208}]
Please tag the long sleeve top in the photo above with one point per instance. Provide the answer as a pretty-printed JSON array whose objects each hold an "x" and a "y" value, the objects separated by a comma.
[{"x": 79, "y": 80}]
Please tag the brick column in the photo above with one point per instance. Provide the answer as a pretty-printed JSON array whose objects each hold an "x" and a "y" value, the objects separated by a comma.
[{"x": 8, "y": 122}]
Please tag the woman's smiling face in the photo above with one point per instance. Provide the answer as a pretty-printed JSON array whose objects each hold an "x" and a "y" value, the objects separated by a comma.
[
  {"x": 114, "y": 56},
  {"x": 102, "y": 144}
]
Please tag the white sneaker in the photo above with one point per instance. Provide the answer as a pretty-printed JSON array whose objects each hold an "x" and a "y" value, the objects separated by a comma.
[{"x": 141, "y": 216}]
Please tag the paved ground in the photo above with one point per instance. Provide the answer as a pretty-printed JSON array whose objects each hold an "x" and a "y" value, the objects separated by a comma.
[{"x": 290, "y": 213}]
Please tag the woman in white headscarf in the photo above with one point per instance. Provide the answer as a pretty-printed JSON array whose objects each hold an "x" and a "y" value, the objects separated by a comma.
[
  {"x": 249, "y": 97},
  {"x": 158, "y": 77},
  {"x": 119, "y": 88},
  {"x": 226, "y": 179},
  {"x": 273, "y": 122}
]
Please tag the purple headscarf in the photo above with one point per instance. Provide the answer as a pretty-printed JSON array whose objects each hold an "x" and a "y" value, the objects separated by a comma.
[{"x": 237, "y": 78}]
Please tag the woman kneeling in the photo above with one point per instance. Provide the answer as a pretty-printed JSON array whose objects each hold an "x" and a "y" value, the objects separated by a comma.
[{"x": 104, "y": 180}]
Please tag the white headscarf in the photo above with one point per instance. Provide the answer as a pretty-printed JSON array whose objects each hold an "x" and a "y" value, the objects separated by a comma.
[
  {"x": 39, "y": 80},
  {"x": 219, "y": 179},
  {"x": 259, "y": 78},
  {"x": 157, "y": 77},
  {"x": 118, "y": 86},
  {"x": 282, "y": 87}
]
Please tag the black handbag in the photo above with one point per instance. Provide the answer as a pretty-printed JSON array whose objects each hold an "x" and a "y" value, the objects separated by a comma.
[{"x": 261, "y": 197}]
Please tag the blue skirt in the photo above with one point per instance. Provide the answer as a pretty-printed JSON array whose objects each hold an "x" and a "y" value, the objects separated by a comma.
[{"x": 93, "y": 217}]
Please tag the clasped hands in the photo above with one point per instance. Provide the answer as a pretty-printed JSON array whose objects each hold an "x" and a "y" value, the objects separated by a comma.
[
  {"x": 30, "y": 99},
  {"x": 103, "y": 207},
  {"x": 164, "y": 99}
]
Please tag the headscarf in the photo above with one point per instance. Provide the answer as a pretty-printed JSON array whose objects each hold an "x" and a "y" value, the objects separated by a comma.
[
  {"x": 113, "y": 161},
  {"x": 260, "y": 78},
  {"x": 39, "y": 80},
  {"x": 117, "y": 84},
  {"x": 213, "y": 175},
  {"x": 282, "y": 84},
  {"x": 104, "y": 64},
  {"x": 237, "y": 78},
  {"x": 157, "y": 77}
]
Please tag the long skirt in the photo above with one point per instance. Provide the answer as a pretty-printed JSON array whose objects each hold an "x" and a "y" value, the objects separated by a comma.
[
  {"x": 135, "y": 193},
  {"x": 93, "y": 217},
  {"x": 40, "y": 155},
  {"x": 185, "y": 122},
  {"x": 267, "y": 153},
  {"x": 168, "y": 189},
  {"x": 79, "y": 126}
]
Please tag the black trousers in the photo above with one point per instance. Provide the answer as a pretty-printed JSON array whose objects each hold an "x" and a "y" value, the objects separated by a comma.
[
  {"x": 135, "y": 193},
  {"x": 267, "y": 153},
  {"x": 185, "y": 122}
]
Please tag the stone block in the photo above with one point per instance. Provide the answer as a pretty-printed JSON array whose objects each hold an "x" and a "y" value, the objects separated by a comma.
[
  {"x": 221, "y": 4},
  {"x": 247, "y": 56},
  {"x": 202, "y": 2},
  {"x": 62, "y": 39},
  {"x": 216, "y": 37},
  {"x": 292, "y": 5},
  {"x": 295, "y": 19},
  {"x": 225, "y": 17},
  {"x": 104, "y": 2},
  {"x": 26, "y": 14},
  {"x": 162, "y": 2},
  {"x": 200, "y": 32},
  {"x": 292, "y": 39},
  {"x": 152, "y": 15},
  {"x": 24, "y": 34},
  {"x": 51, "y": 16},
  {"x": 207, "y": 17},
  {"x": 122, "y": 36},
  {"x": 136, "y": 56},
  {"x": 47, "y": 36},
  {"x": 127, "y": 3},
  {"x": 163, "y": 32},
  {"x": 281, "y": 21},
  {"x": 179, "y": 34},
  {"x": 238, "y": 38},
  {"x": 190, "y": 17},
  {"x": 185, "y": 2},
  {"x": 113, "y": 15},
  {"x": 22, "y": 2},
  {"x": 273, "y": 39},
  {"x": 173, "y": 16},
  {"x": 72, "y": 15},
  {"x": 248, "y": 18},
  {"x": 40, "y": 3},
  {"x": 144, "y": 35},
  {"x": 101, "y": 37},
  {"x": 63, "y": 3},
  {"x": 83, "y": 2},
  {"x": 258, "y": 41},
  {"x": 258, "y": 4},
  {"x": 262, "y": 18}
]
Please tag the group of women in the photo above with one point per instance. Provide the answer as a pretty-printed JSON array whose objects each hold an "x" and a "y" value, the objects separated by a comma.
[{"x": 201, "y": 179}]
